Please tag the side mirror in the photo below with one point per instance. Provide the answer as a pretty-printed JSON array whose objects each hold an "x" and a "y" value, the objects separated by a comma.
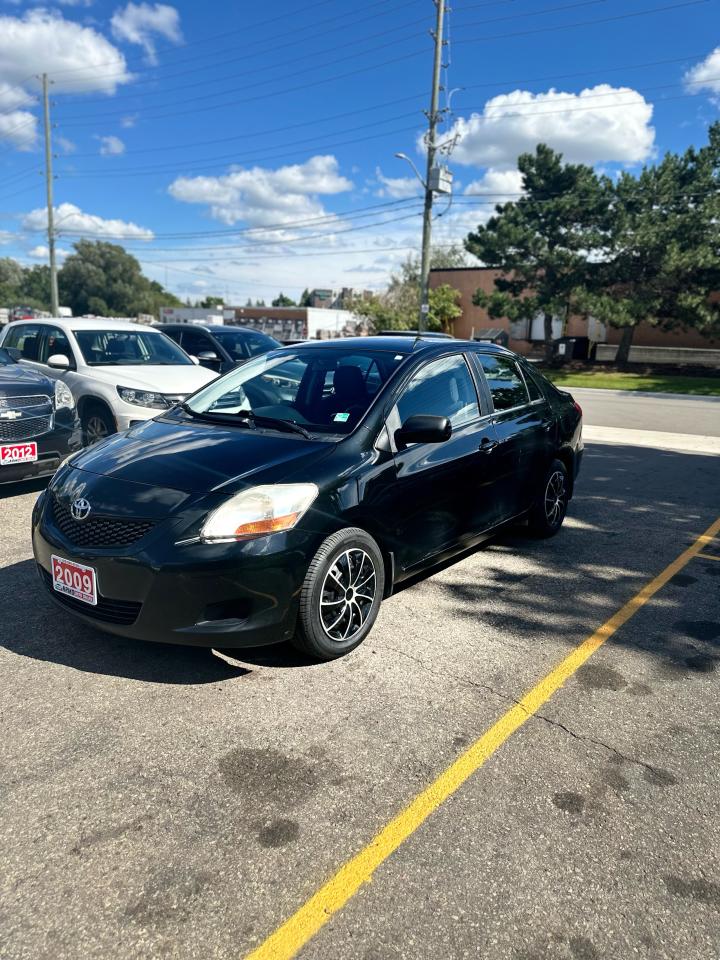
[
  {"x": 194, "y": 360},
  {"x": 58, "y": 361},
  {"x": 423, "y": 428},
  {"x": 207, "y": 355}
]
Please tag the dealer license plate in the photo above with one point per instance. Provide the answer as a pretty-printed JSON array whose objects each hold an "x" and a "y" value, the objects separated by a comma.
[
  {"x": 74, "y": 580},
  {"x": 11, "y": 453}
]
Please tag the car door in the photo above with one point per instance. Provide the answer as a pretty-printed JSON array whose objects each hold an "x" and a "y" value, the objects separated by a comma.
[
  {"x": 441, "y": 494},
  {"x": 524, "y": 428}
]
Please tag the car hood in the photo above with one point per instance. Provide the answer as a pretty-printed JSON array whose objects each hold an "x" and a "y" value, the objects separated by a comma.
[
  {"x": 197, "y": 458},
  {"x": 19, "y": 381},
  {"x": 180, "y": 379}
]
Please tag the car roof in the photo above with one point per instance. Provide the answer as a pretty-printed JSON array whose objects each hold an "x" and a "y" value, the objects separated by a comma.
[
  {"x": 87, "y": 323},
  {"x": 209, "y": 327},
  {"x": 397, "y": 343}
]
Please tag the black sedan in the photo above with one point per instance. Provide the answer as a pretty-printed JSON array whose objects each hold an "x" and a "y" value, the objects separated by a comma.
[
  {"x": 38, "y": 421},
  {"x": 286, "y": 499}
]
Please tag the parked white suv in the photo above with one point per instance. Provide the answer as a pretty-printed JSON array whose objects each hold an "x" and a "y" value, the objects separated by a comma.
[{"x": 120, "y": 373}]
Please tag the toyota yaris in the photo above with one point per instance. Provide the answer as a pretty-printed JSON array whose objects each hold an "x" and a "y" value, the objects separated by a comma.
[{"x": 286, "y": 499}]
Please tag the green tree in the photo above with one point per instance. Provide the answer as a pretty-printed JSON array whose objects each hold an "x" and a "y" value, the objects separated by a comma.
[
  {"x": 11, "y": 276},
  {"x": 544, "y": 243},
  {"x": 663, "y": 262},
  {"x": 398, "y": 307},
  {"x": 283, "y": 301},
  {"x": 444, "y": 308},
  {"x": 35, "y": 285},
  {"x": 210, "y": 302},
  {"x": 105, "y": 279},
  {"x": 305, "y": 298}
]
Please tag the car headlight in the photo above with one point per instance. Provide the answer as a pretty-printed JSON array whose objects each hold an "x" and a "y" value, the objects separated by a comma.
[
  {"x": 63, "y": 396},
  {"x": 143, "y": 398},
  {"x": 259, "y": 511}
]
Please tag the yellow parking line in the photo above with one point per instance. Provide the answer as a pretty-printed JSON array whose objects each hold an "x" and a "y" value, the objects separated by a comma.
[
  {"x": 707, "y": 556},
  {"x": 295, "y": 932}
]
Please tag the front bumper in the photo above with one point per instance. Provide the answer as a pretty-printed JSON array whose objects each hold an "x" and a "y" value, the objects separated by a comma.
[
  {"x": 53, "y": 447},
  {"x": 210, "y": 595}
]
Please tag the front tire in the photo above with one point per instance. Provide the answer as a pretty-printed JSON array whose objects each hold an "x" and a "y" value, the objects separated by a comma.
[
  {"x": 97, "y": 424},
  {"x": 548, "y": 512},
  {"x": 341, "y": 595}
]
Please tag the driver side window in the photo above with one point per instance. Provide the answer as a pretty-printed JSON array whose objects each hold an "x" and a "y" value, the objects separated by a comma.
[{"x": 442, "y": 388}]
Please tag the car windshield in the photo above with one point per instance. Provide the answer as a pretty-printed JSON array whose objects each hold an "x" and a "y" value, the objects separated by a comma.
[
  {"x": 240, "y": 344},
  {"x": 125, "y": 348},
  {"x": 6, "y": 359},
  {"x": 324, "y": 390}
]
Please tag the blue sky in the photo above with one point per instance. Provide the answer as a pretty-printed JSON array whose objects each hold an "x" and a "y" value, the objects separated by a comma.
[{"x": 240, "y": 149}]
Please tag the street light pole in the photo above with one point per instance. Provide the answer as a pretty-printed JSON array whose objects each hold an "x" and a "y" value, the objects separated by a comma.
[
  {"x": 54, "y": 298},
  {"x": 433, "y": 118}
]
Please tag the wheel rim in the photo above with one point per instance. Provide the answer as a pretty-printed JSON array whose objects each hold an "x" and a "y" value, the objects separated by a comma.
[
  {"x": 555, "y": 497},
  {"x": 347, "y": 596},
  {"x": 96, "y": 430}
]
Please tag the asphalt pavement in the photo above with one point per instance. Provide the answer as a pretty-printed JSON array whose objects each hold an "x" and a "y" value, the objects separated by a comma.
[
  {"x": 663, "y": 412},
  {"x": 170, "y": 802}
]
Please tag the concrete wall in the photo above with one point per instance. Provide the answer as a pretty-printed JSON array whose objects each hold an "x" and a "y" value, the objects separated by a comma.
[{"x": 673, "y": 355}]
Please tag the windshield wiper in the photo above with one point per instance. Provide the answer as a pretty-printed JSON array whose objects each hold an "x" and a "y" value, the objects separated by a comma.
[
  {"x": 290, "y": 425},
  {"x": 247, "y": 418}
]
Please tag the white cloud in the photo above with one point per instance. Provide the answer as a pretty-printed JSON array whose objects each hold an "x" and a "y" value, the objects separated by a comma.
[
  {"x": 499, "y": 185},
  {"x": 127, "y": 122},
  {"x": 599, "y": 124},
  {"x": 261, "y": 197},
  {"x": 12, "y": 97},
  {"x": 67, "y": 146},
  {"x": 70, "y": 219},
  {"x": 42, "y": 253},
  {"x": 396, "y": 187},
  {"x": 111, "y": 146},
  {"x": 19, "y": 128},
  {"x": 6, "y": 237},
  {"x": 705, "y": 75},
  {"x": 139, "y": 23},
  {"x": 78, "y": 58}
]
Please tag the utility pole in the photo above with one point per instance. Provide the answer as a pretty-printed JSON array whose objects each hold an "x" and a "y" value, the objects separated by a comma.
[
  {"x": 54, "y": 298},
  {"x": 433, "y": 118}
]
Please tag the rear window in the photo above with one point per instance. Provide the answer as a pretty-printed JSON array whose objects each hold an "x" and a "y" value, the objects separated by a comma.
[{"x": 505, "y": 381}]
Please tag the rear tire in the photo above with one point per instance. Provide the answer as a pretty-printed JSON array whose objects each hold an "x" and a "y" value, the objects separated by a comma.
[
  {"x": 547, "y": 515},
  {"x": 341, "y": 595},
  {"x": 97, "y": 423}
]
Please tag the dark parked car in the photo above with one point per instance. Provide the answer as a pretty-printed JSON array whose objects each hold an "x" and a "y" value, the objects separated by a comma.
[
  {"x": 286, "y": 499},
  {"x": 38, "y": 422},
  {"x": 219, "y": 347}
]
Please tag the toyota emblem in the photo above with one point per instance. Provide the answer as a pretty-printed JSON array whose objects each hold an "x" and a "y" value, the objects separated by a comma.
[{"x": 80, "y": 509}]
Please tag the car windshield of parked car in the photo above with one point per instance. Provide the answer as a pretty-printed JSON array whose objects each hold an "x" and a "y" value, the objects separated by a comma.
[
  {"x": 124, "y": 348},
  {"x": 6, "y": 360},
  {"x": 324, "y": 390},
  {"x": 241, "y": 345}
]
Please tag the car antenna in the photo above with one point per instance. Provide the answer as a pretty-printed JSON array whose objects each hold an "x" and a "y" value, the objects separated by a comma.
[{"x": 416, "y": 341}]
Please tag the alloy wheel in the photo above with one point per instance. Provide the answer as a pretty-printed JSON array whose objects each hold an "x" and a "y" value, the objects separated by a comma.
[
  {"x": 348, "y": 593},
  {"x": 555, "y": 497},
  {"x": 96, "y": 430}
]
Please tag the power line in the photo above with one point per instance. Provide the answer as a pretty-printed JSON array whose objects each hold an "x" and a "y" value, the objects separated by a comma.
[
  {"x": 313, "y": 55},
  {"x": 331, "y": 145}
]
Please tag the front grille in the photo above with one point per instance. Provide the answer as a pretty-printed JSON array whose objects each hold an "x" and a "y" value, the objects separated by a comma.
[
  {"x": 19, "y": 403},
  {"x": 122, "y": 612},
  {"x": 26, "y": 429},
  {"x": 98, "y": 531}
]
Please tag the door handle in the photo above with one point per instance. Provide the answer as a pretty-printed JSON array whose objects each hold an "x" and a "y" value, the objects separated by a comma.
[{"x": 487, "y": 445}]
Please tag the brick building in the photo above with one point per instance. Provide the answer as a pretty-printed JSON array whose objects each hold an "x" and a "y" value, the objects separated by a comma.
[{"x": 525, "y": 336}]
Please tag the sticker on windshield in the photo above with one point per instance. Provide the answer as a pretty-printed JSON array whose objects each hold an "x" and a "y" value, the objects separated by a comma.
[{"x": 341, "y": 417}]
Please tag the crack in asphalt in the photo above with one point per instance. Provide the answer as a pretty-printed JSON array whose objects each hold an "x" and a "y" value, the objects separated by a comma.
[{"x": 508, "y": 698}]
